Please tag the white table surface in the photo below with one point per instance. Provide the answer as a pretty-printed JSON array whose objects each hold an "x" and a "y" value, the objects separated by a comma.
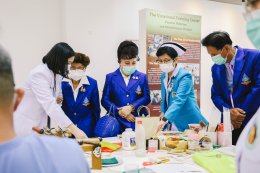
[{"x": 176, "y": 164}]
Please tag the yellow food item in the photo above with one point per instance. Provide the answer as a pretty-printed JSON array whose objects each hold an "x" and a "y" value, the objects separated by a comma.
[
  {"x": 182, "y": 145},
  {"x": 177, "y": 150},
  {"x": 171, "y": 144}
]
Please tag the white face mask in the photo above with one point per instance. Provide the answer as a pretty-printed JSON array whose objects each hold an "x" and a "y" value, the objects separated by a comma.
[
  {"x": 76, "y": 75},
  {"x": 167, "y": 67}
]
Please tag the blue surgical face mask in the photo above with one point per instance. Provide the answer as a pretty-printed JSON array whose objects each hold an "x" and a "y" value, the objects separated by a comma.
[
  {"x": 253, "y": 31},
  {"x": 218, "y": 59},
  {"x": 128, "y": 70}
]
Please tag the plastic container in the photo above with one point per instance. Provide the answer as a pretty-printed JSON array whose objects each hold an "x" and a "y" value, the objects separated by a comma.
[
  {"x": 213, "y": 137},
  {"x": 140, "y": 136},
  {"x": 128, "y": 139},
  {"x": 225, "y": 138}
]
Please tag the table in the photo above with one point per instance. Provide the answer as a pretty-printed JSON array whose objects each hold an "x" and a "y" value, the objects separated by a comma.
[{"x": 176, "y": 165}]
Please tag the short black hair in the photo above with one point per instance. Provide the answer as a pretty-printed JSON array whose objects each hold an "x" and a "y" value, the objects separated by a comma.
[
  {"x": 252, "y": 2},
  {"x": 217, "y": 39},
  {"x": 127, "y": 50},
  {"x": 167, "y": 50},
  {"x": 57, "y": 58},
  {"x": 82, "y": 59},
  {"x": 6, "y": 78}
]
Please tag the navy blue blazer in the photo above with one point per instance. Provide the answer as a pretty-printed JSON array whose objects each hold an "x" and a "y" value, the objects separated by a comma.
[
  {"x": 85, "y": 112},
  {"x": 117, "y": 94},
  {"x": 246, "y": 83}
]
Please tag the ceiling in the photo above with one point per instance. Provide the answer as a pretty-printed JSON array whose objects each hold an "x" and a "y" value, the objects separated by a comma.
[{"x": 238, "y": 2}]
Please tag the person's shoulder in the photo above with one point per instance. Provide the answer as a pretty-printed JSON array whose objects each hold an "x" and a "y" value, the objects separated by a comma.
[
  {"x": 52, "y": 144},
  {"x": 111, "y": 74},
  {"x": 140, "y": 74},
  {"x": 61, "y": 149},
  {"x": 252, "y": 53},
  {"x": 215, "y": 67},
  {"x": 41, "y": 68},
  {"x": 91, "y": 80},
  {"x": 55, "y": 142},
  {"x": 183, "y": 73},
  {"x": 163, "y": 75},
  {"x": 40, "y": 71}
]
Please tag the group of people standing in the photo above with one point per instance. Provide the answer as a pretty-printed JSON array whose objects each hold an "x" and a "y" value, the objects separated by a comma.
[{"x": 60, "y": 89}]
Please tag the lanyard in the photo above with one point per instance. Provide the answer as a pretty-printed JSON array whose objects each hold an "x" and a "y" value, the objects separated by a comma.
[{"x": 232, "y": 72}]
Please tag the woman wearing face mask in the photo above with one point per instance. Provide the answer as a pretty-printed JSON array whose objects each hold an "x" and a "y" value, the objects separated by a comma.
[
  {"x": 248, "y": 142},
  {"x": 126, "y": 89},
  {"x": 80, "y": 100},
  {"x": 41, "y": 88},
  {"x": 178, "y": 106},
  {"x": 253, "y": 21}
]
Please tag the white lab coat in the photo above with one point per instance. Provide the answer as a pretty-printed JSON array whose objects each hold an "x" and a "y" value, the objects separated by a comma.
[
  {"x": 39, "y": 101},
  {"x": 248, "y": 155}
]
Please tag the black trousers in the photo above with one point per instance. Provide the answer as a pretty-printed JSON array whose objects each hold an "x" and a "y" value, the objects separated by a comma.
[{"x": 235, "y": 135}]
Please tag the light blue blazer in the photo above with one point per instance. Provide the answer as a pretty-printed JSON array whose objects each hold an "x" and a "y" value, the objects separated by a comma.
[{"x": 182, "y": 108}]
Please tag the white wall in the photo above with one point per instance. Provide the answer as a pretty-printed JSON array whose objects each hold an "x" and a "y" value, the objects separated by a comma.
[
  {"x": 97, "y": 27},
  {"x": 29, "y": 28}
]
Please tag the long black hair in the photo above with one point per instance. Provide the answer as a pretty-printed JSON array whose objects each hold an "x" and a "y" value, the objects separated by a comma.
[{"x": 57, "y": 58}]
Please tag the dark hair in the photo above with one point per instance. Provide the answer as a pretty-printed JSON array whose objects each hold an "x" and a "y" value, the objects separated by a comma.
[
  {"x": 217, "y": 39},
  {"x": 57, "y": 58},
  {"x": 82, "y": 59},
  {"x": 127, "y": 50},
  {"x": 252, "y": 2},
  {"x": 167, "y": 50},
  {"x": 6, "y": 78}
]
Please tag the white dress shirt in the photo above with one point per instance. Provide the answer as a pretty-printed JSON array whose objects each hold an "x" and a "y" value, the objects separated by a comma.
[
  {"x": 126, "y": 78},
  {"x": 83, "y": 81}
]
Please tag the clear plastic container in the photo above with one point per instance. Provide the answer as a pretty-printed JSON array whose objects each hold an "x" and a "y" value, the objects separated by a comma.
[
  {"x": 128, "y": 139},
  {"x": 140, "y": 136}
]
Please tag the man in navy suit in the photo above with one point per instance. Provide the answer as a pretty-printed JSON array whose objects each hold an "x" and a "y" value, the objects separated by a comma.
[
  {"x": 236, "y": 79},
  {"x": 126, "y": 89}
]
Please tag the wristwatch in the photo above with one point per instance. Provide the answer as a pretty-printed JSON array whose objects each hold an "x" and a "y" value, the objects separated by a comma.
[
  {"x": 133, "y": 108},
  {"x": 164, "y": 119}
]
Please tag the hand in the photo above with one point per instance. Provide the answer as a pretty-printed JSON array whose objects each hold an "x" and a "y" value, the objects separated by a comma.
[
  {"x": 160, "y": 126},
  {"x": 125, "y": 110},
  {"x": 236, "y": 125},
  {"x": 121, "y": 114},
  {"x": 79, "y": 134},
  {"x": 59, "y": 100},
  {"x": 237, "y": 116},
  {"x": 130, "y": 118},
  {"x": 161, "y": 115}
]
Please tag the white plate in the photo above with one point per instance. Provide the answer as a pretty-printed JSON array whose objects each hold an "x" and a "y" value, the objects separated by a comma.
[{"x": 120, "y": 161}]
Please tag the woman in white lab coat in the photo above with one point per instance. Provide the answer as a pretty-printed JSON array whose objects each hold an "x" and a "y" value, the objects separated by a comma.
[{"x": 41, "y": 88}]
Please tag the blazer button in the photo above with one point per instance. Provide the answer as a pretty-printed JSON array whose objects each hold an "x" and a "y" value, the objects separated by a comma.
[
  {"x": 127, "y": 95},
  {"x": 127, "y": 103},
  {"x": 75, "y": 113}
]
